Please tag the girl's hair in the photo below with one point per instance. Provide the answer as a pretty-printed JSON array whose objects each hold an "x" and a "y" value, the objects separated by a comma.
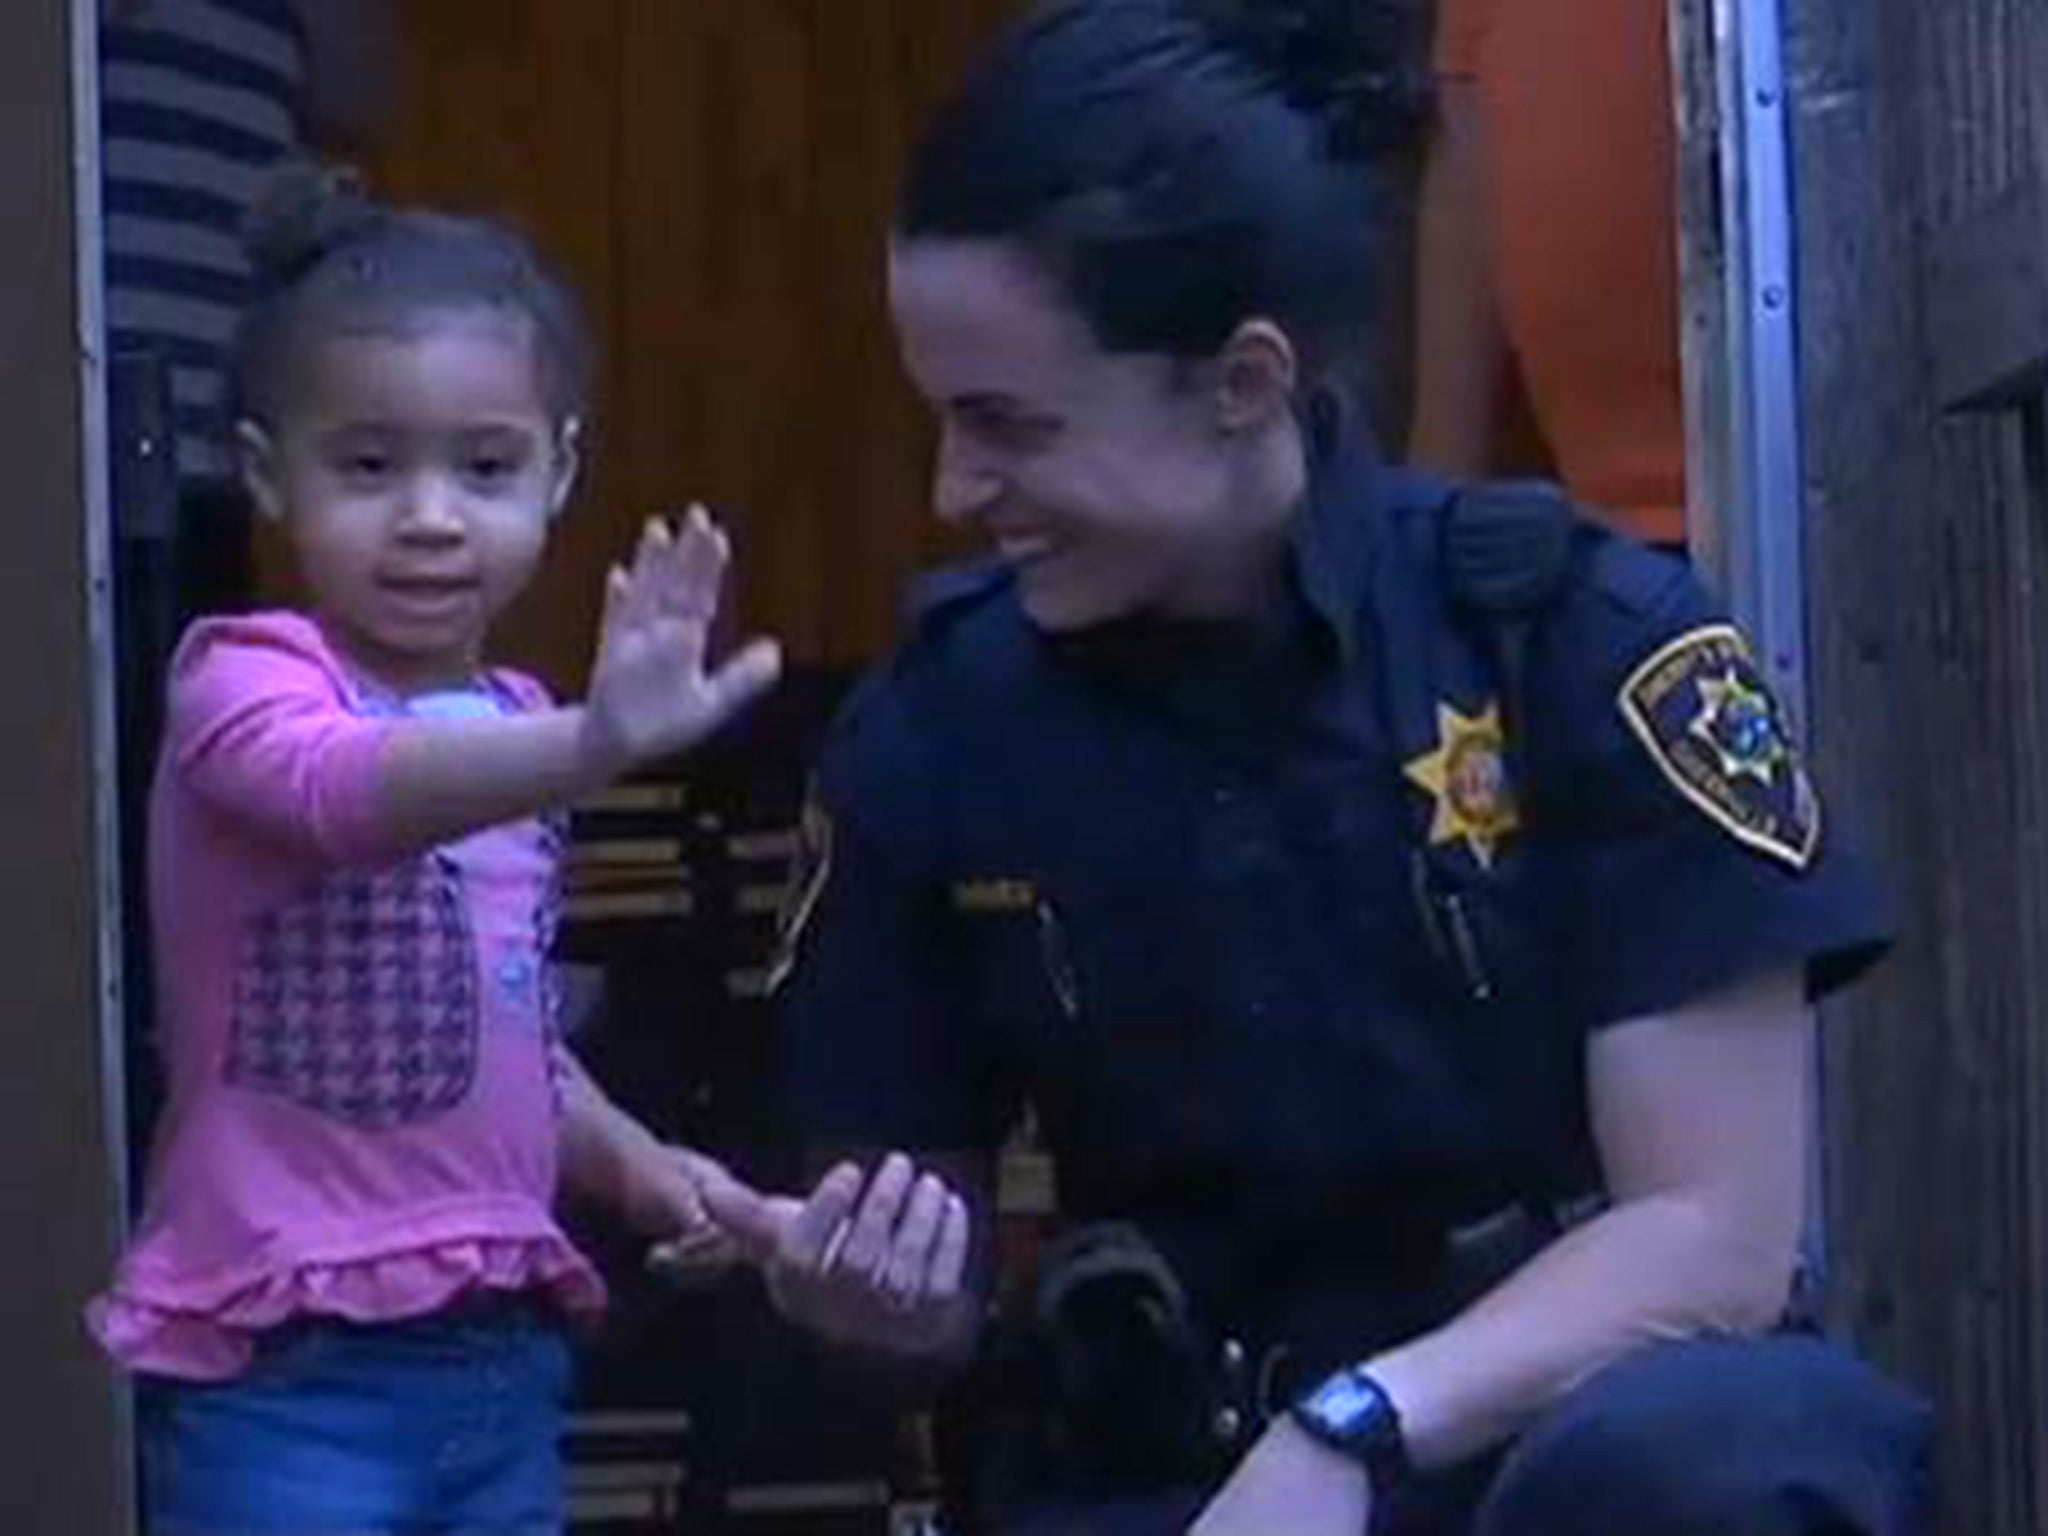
[
  {"x": 328, "y": 260},
  {"x": 1181, "y": 166}
]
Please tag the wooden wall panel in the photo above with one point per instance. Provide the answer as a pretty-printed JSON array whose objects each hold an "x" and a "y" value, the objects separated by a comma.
[
  {"x": 1703, "y": 257},
  {"x": 516, "y": 116},
  {"x": 760, "y": 373},
  {"x": 716, "y": 176},
  {"x": 1928, "y": 570}
]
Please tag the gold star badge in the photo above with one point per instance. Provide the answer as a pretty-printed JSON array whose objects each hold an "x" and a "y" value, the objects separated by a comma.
[{"x": 1467, "y": 777}]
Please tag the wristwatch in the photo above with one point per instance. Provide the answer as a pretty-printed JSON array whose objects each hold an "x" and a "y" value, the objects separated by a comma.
[{"x": 1350, "y": 1412}]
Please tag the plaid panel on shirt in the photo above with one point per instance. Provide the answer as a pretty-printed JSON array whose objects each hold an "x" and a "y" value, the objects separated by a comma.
[{"x": 359, "y": 999}]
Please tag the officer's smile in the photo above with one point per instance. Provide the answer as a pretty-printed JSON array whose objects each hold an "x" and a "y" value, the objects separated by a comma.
[{"x": 1024, "y": 548}]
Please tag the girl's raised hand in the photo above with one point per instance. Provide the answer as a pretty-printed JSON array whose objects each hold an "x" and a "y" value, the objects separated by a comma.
[{"x": 651, "y": 694}]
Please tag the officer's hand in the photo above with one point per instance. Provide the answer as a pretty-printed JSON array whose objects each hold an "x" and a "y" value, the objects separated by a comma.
[
  {"x": 877, "y": 1263},
  {"x": 1290, "y": 1483}
]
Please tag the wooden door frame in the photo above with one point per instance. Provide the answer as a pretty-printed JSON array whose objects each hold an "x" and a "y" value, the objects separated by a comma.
[
  {"x": 1739, "y": 323},
  {"x": 1738, "y": 316},
  {"x": 1923, "y": 549},
  {"x": 61, "y": 1132}
]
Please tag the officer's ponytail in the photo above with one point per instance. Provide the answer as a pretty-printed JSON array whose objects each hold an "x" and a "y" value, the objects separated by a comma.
[
  {"x": 1181, "y": 166},
  {"x": 1353, "y": 68}
]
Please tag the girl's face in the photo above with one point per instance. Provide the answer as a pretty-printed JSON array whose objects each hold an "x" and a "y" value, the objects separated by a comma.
[
  {"x": 416, "y": 473},
  {"x": 1113, "y": 484}
]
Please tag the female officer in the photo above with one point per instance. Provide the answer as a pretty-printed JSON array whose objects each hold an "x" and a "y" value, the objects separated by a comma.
[{"x": 1333, "y": 861}]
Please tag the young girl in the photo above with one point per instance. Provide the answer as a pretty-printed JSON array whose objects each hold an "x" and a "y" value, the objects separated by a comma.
[{"x": 342, "y": 1301}]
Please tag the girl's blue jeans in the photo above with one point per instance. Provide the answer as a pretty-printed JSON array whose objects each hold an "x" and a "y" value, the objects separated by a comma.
[{"x": 448, "y": 1424}]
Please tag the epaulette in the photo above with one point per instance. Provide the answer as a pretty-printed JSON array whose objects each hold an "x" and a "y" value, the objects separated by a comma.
[
  {"x": 951, "y": 588},
  {"x": 1638, "y": 577},
  {"x": 1507, "y": 547},
  {"x": 931, "y": 601},
  {"x": 1506, "y": 552}
]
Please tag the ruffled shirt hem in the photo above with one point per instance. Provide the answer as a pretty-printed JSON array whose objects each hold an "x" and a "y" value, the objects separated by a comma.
[{"x": 207, "y": 1331}]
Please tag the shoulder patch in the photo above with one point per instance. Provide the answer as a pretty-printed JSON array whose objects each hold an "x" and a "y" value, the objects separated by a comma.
[
  {"x": 1708, "y": 720},
  {"x": 810, "y": 872}
]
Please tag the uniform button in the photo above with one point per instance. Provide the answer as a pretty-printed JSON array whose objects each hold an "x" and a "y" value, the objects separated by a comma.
[
  {"x": 1228, "y": 1424},
  {"x": 1233, "y": 1355}
]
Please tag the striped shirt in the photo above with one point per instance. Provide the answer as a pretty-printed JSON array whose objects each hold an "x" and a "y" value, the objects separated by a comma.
[{"x": 198, "y": 99}]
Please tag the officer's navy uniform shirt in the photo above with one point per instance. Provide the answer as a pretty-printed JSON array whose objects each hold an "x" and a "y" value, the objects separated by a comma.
[{"x": 1164, "y": 881}]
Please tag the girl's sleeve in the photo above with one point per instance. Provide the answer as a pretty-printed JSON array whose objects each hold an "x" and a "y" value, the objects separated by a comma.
[{"x": 259, "y": 729}]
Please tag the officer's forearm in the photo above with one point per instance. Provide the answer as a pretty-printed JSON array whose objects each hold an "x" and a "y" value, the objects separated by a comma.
[
  {"x": 1701, "y": 1117},
  {"x": 907, "y": 1378},
  {"x": 934, "y": 1363},
  {"x": 1662, "y": 1268}
]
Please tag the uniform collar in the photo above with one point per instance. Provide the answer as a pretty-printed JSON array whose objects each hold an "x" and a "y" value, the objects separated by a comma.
[
  {"x": 1332, "y": 541},
  {"x": 1331, "y": 551},
  {"x": 1352, "y": 502}
]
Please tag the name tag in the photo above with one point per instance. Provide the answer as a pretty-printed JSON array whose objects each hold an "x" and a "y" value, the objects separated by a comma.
[{"x": 983, "y": 897}]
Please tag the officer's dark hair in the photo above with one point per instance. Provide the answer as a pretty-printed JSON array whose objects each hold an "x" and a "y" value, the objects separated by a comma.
[
  {"x": 328, "y": 259},
  {"x": 1181, "y": 166}
]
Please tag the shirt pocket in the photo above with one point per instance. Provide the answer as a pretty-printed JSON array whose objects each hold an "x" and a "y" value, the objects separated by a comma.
[{"x": 357, "y": 999}]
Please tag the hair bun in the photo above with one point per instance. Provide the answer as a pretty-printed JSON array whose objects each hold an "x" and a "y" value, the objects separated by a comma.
[
  {"x": 1358, "y": 65},
  {"x": 303, "y": 212}
]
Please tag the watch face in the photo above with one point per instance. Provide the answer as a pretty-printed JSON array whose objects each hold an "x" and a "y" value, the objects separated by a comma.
[
  {"x": 1343, "y": 1400},
  {"x": 1350, "y": 1412}
]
